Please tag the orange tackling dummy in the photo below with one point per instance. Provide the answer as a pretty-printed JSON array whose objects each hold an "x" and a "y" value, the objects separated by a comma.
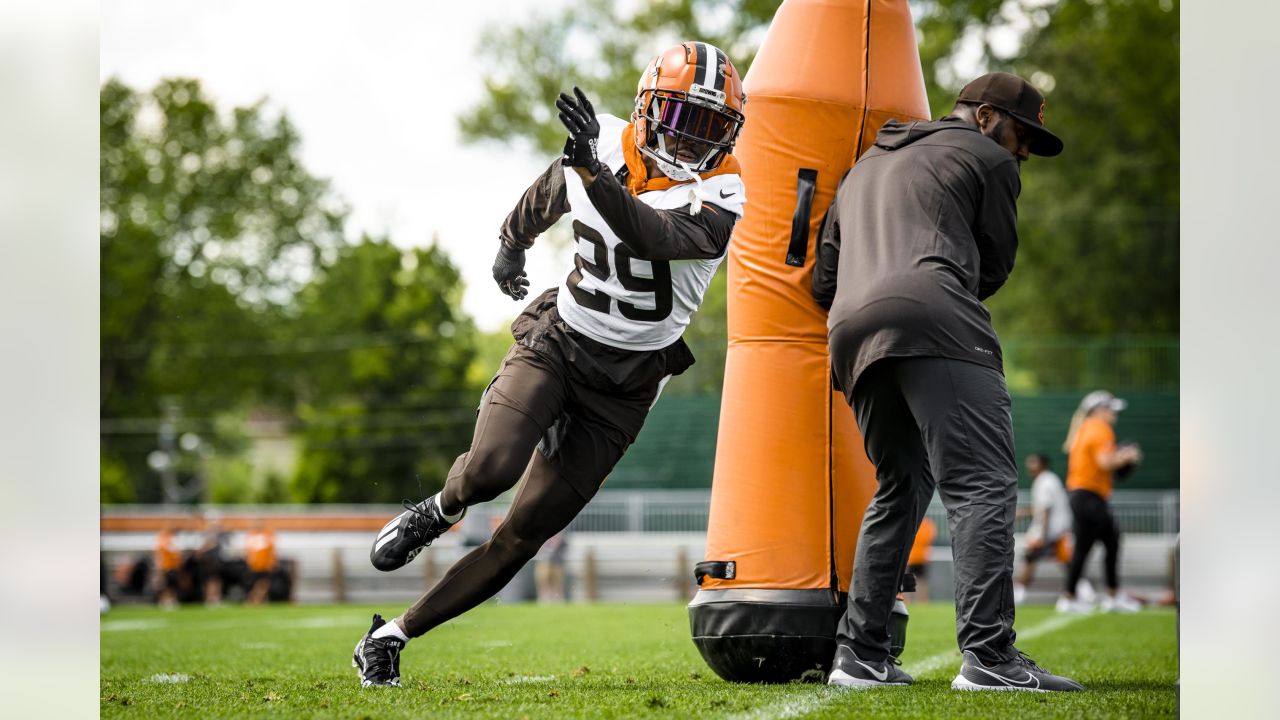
[{"x": 791, "y": 477}]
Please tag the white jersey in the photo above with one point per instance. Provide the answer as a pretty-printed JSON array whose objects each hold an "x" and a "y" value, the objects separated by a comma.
[
  {"x": 1047, "y": 494},
  {"x": 620, "y": 300}
]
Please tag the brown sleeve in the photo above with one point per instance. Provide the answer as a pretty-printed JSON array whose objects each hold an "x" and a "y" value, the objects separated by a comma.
[
  {"x": 539, "y": 208},
  {"x": 661, "y": 234}
]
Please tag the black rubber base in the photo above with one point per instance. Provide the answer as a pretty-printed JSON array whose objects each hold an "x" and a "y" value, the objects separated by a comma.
[{"x": 769, "y": 636}]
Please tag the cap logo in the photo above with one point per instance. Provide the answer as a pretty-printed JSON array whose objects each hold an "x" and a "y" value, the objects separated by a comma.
[{"x": 1040, "y": 115}]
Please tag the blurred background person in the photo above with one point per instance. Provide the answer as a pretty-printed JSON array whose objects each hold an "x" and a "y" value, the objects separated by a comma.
[
  {"x": 168, "y": 565},
  {"x": 212, "y": 559},
  {"x": 260, "y": 556},
  {"x": 1050, "y": 529},
  {"x": 549, "y": 568},
  {"x": 1092, "y": 459},
  {"x": 918, "y": 558}
]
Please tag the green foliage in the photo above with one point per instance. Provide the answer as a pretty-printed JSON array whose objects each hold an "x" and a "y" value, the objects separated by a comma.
[
  {"x": 591, "y": 661},
  {"x": 113, "y": 484},
  {"x": 231, "y": 480},
  {"x": 491, "y": 349},
  {"x": 384, "y": 419},
  {"x": 1099, "y": 224},
  {"x": 228, "y": 284},
  {"x": 209, "y": 227},
  {"x": 952, "y": 34}
]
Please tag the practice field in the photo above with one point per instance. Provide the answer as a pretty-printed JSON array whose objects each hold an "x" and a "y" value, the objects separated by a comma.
[{"x": 589, "y": 661}]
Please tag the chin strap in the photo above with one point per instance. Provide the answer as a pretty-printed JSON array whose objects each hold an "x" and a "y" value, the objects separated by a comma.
[
  {"x": 695, "y": 193},
  {"x": 679, "y": 173}
]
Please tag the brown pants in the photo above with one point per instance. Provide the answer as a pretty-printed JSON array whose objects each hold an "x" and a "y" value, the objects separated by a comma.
[{"x": 556, "y": 420}]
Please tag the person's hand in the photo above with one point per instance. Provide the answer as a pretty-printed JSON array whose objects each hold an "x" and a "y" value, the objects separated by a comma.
[
  {"x": 1128, "y": 453},
  {"x": 579, "y": 119},
  {"x": 508, "y": 272}
]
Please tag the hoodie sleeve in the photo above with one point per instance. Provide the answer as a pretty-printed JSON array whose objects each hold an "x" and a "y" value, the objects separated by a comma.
[
  {"x": 539, "y": 208},
  {"x": 827, "y": 255},
  {"x": 661, "y": 234},
  {"x": 997, "y": 228}
]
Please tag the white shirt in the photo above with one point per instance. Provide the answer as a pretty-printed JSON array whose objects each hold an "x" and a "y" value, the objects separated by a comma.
[
  {"x": 623, "y": 301},
  {"x": 1048, "y": 495}
]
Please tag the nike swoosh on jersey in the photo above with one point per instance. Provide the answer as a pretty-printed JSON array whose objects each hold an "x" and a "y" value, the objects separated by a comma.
[{"x": 724, "y": 195}]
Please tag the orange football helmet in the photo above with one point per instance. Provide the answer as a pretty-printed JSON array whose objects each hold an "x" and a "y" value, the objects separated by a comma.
[{"x": 689, "y": 109}]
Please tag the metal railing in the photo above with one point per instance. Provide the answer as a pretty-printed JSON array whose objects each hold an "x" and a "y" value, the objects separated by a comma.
[
  {"x": 686, "y": 511},
  {"x": 1137, "y": 511}
]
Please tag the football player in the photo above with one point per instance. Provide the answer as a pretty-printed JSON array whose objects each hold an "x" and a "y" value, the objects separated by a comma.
[{"x": 653, "y": 203}]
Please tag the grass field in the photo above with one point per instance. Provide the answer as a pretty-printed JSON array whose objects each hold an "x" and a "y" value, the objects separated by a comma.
[{"x": 600, "y": 661}]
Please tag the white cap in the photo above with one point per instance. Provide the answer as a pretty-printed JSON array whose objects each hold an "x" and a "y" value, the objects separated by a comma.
[{"x": 1102, "y": 399}]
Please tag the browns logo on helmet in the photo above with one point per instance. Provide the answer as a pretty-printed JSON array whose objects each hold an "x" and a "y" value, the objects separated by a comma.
[{"x": 689, "y": 109}]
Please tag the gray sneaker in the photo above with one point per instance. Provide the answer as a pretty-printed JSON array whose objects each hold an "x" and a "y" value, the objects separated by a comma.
[
  {"x": 848, "y": 670},
  {"x": 1021, "y": 673}
]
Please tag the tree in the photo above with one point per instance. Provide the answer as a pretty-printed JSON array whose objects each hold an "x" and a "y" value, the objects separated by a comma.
[
  {"x": 386, "y": 405},
  {"x": 209, "y": 227},
  {"x": 1099, "y": 224}
]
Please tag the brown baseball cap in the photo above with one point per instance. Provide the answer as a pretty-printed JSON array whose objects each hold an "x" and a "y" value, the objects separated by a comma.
[{"x": 1020, "y": 99}]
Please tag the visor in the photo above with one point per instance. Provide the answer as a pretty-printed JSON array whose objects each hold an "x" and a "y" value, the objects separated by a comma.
[{"x": 689, "y": 131}]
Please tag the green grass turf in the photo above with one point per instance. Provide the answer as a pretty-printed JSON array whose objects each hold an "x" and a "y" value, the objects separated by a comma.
[{"x": 588, "y": 661}]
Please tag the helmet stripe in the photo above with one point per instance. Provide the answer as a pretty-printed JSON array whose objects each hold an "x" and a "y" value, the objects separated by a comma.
[
  {"x": 700, "y": 76},
  {"x": 721, "y": 68}
]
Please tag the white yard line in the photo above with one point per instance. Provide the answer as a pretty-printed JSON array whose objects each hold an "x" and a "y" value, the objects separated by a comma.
[
  {"x": 164, "y": 678},
  {"x": 801, "y": 706}
]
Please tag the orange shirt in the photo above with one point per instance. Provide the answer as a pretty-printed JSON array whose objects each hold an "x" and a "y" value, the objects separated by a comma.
[
  {"x": 167, "y": 557},
  {"x": 1083, "y": 472},
  {"x": 924, "y": 540},
  {"x": 260, "y": 550}
]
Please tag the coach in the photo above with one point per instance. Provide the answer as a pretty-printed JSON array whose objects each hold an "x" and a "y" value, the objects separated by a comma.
[{"x": 922, "y": 229}]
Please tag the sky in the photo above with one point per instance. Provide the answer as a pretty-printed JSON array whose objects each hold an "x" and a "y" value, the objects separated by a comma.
[{"x": 375, "y": 90}]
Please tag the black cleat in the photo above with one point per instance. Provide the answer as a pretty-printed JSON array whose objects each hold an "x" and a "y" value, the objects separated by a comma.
[
  {"x": 377, "y": 660},
  {"x": 1021, "y": 673},
  {"x": 400, "y": 540},
  {"x": 848, "y": 670}
]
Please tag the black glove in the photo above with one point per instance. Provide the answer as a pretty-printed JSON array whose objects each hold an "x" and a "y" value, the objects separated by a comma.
[
  {"x": 579, "y": 119},
  {"x": 508, "y": 272}
]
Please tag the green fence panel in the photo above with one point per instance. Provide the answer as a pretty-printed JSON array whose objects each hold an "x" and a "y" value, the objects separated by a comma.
[{"x": 677, "y": 447}]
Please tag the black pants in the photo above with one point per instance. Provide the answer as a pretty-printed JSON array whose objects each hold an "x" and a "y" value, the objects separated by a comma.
[
  {"x": 930, "y": 422},
  {"x": 1092, "y": 521}
]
